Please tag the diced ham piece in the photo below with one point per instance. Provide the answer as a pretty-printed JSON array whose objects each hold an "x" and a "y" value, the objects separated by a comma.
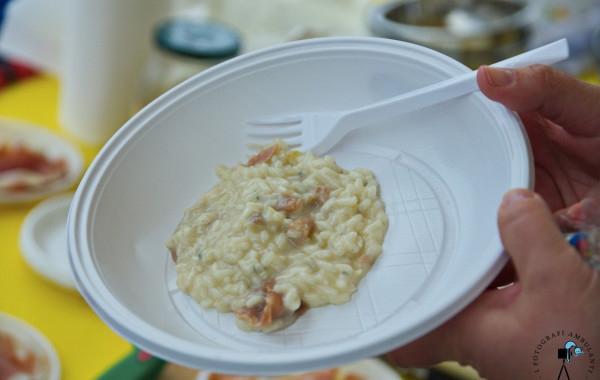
[
  {"x": 325, "y": 374},
  {"x": 173, "y": 255},
  {"x": 262, "y": 156},
  {"x": 19, "y": 157},
  {"x": 15, "y": 362},
  {"x": 35, "y": 168},
  {"x": 263, "y": 315},
  {"x": 300, "y": 230},
  {"x": 365, "y": 259},
  {"x": 256, "y": 219},
  {"x": 220, "y": 376},
  {"x": 319, "y": 196},
  {"x": 288, "y": 203},
  {"x": 353, "y": 377}
]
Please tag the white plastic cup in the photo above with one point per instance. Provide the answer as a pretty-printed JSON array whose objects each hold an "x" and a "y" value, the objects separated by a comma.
[{"x": 105, "y": 45}]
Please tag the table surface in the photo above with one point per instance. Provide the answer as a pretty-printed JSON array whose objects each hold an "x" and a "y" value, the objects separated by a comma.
[{"x": 85, "y": 345}]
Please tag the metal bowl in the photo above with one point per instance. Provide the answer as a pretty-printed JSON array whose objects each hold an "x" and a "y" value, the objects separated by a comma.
[{"x": 474, "y": 32}]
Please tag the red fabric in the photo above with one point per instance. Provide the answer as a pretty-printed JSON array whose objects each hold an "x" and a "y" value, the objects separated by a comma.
[{"x": 12, "y": 71}]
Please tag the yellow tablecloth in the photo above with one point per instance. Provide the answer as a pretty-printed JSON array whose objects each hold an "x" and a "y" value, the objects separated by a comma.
[{"x": 85, "y": 345}]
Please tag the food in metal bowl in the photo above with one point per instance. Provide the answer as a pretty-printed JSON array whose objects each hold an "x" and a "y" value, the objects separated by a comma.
[{"x": 472, "y": 32}]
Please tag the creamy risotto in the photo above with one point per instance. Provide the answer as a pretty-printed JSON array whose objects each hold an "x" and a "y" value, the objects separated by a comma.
[{"x": 285, "y": 232}]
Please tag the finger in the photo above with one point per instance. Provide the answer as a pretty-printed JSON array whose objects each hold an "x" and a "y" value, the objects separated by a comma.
[
  {"x": 532, "y": 237},
  {"x": 557, "y": 96},
  {"x": 423, "y": 352},
  {"x": 465, "y": 336},
  {"x": 571, "y": 219},
  {"x": 580, "y": 215}
]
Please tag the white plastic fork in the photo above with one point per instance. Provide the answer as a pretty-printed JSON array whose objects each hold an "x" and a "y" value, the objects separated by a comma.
[{"x": 319, "y": 131}]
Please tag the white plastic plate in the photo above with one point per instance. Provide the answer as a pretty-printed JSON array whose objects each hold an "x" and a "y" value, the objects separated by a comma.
[
  {"x": 368, "y": 369},
  {"x": 43, "y": 240},
  {"x": 40, "y": 139},
  {"x": 28, "y": 340},
  {"x": 442, "y": 170}
]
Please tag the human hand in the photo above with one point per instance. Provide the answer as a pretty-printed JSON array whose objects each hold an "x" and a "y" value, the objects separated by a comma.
[
  {"x": 562, "y": 117},
  {"x": 499, "y": 333},
  {"x": 508, "y": 333}
]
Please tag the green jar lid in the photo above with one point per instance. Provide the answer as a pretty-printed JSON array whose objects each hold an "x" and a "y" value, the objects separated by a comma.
[{"x": 198, "y": 39}]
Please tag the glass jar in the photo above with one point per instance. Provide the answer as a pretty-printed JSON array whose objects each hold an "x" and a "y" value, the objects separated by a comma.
[{"x": 181, "y": 49}]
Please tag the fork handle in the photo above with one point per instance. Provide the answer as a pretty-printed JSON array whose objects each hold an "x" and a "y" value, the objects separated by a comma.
[{"x": 449, "y": 89}]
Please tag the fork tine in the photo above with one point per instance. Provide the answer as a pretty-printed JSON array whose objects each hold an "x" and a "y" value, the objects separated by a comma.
[
  {"x": 276, "y": 121},
  {"x": 258, "y": 139},
  {"x": 273, "y": 131},
  {"x": 293, "y": 141}
]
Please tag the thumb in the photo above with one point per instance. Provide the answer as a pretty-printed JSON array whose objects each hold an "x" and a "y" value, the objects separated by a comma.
[
  {"x": 531, "y": 236},
  {"x": 554, "y": 94}
]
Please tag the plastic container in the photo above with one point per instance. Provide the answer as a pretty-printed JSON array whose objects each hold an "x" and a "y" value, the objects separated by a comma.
[
  {"x": 105, "y": 45},
  {"x": 182, "y": 48},
  {"x": 442, "y": 170}
]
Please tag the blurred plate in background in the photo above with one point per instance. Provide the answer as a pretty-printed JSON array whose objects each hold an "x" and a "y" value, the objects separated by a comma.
[{"x": 35, "y": 162}]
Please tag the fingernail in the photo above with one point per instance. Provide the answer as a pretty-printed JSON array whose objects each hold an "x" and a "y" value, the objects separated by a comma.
[
  {"x": 514, "y": 195},
  {"x": 500, "y": 77}
]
